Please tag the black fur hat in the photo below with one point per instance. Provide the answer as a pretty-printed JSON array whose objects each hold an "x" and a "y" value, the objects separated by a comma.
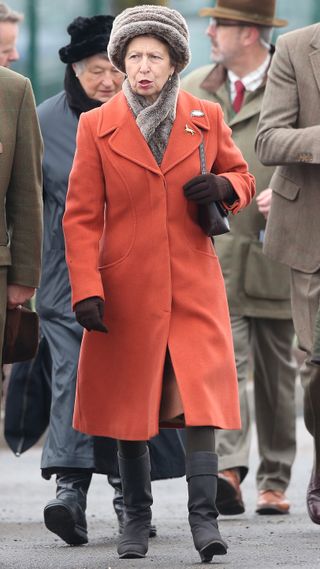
[{"x": 89, "y": 36}]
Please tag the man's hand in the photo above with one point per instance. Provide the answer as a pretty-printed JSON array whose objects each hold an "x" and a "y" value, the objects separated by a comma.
[
  {"x": 18, "y": 294},
  {"x": 89, "y": 313},
  {"x": 264, "y": 201},
  {"x": 208, "y": 188}
]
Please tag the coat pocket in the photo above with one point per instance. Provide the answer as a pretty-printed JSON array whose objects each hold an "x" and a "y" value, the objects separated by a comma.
[
  {"x": 265, "y": 278},
  {"x": 5, "y": 255},
  {"x": 284, "y": 187},
  {"x": 225, "y": 249}
]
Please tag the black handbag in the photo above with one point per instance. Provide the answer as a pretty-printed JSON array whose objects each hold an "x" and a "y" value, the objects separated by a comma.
[
  {"x": 21, "y": 335},
  {"x": 213, "y": 217},
  {"x": 27, "y": 408}
]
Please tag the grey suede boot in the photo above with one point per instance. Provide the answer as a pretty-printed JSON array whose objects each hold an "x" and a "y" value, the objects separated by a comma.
[
  {"x": 201, "y": 473},
  {"x": 136, "y": 486},
  {"x": 118, "y": 505},
  {"x": 65, "y": 516}
]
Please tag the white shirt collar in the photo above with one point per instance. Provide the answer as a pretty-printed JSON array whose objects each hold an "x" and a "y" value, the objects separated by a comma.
[{"x": 251, "y": 81}]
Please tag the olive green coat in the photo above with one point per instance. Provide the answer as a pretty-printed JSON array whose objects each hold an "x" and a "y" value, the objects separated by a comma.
[
  {"x": 20, "y": 187},
  {"x": 256, "y": 286}
]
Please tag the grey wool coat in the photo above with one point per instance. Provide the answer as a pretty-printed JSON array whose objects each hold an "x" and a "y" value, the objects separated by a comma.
[
  {"x": 64, "y": 446},
  {"x": 256, "y": 286},
  {"x": 20, "y": 187}
]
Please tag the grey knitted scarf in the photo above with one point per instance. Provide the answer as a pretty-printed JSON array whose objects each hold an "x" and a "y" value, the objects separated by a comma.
[{"x": 155, "y": 120}]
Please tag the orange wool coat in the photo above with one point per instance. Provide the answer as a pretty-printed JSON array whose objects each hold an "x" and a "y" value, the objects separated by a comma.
[{"x": 133, "y": 239}]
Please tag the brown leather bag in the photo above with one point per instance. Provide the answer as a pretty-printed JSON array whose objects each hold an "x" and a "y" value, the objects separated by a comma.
[{"x": 21, "y": 335}]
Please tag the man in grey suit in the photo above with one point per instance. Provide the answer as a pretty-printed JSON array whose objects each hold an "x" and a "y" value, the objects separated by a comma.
[{"x": 288, "y": 136}]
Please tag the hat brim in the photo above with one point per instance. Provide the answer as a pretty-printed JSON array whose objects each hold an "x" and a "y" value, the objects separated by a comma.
[{"x": 257, "y": 19}]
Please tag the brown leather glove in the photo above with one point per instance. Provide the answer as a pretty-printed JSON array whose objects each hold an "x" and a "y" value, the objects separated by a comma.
[
  {"x": 208, "y": 188},
  {"x": 89, "y": 313}
]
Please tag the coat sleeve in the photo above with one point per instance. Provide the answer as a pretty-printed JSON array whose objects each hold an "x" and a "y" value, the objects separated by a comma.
[
  {"x": 24, "y": 196},
  {"x": 83, "y": 220},
  {"x": 279, "y": 141},
  {"x": 230, "y": 164}
]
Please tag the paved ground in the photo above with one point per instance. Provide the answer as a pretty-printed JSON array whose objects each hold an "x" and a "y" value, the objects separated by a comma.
[{"x": 254, "y": 542}]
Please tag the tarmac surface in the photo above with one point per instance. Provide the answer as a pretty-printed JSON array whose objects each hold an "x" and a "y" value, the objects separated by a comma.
[{"x": 255, "y": 542}]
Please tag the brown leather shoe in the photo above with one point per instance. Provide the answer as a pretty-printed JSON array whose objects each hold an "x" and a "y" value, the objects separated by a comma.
[
  {"x": 313, "y": 498},
  {"x": 229, "y": 498},
  {"x": 272, "y": 502}
]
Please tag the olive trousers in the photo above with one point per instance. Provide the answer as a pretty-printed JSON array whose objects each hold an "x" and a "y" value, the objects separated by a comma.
[{"x": 265, "y": 346}]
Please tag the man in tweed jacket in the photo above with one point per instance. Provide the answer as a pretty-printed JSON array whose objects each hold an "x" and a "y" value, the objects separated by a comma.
[
  {"x": 20, "y": 193},
  {"x": 288, "y": 136}
]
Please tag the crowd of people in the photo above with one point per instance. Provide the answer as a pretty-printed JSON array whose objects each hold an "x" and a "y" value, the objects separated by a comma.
[{"x": 155, "y": 324}]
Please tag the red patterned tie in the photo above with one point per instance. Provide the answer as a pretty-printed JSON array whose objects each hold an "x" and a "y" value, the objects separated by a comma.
[{"x": 237, "y": 103}]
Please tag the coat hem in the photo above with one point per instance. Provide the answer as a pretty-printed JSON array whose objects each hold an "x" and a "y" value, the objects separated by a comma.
[{"x": 166, "y": 425}]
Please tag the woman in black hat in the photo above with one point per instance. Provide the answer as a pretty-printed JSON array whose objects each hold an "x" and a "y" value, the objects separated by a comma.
[{"x": 90, "y": 80}]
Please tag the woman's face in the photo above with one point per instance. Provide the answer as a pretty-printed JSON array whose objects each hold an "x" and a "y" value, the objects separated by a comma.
[
  {"x": 148, "y": 66},
  {"x": 99, "y": 79}
]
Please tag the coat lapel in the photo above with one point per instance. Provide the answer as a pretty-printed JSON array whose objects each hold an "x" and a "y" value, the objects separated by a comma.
[
  {"x": 315, "y": 55},
  {"x": 186, "y": 134},
  {"x": 250, "y": 108},
  {"x": 126, "y": 139},
  {"x": 216, "y": 83},
  {"x": 222, "y": 96}
]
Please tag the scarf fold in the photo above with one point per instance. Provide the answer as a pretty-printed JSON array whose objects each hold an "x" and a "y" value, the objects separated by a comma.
[
  {"x": 77, "y": 98},
  {"x": 155, "y": 120}
]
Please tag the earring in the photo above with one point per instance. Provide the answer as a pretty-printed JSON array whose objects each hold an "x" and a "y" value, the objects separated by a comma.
[{"x": 170, "y": 77}]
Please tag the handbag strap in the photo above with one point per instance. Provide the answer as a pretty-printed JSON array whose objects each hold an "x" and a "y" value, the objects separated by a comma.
[
  {"x": 203, "y": 166},
  {"x": 202, "y": 158}
]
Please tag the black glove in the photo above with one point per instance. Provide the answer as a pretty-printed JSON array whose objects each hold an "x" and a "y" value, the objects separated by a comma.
[
  {"x": 209, "y": 188},
  {"x": 89, "y": 313}
]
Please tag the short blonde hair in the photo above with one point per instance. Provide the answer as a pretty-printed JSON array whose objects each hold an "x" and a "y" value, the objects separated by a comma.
[{"x": 9, "y": 15}]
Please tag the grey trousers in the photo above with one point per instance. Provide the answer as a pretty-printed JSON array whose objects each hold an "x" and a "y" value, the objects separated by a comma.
[
  {"x": 305, "y": 292},
  {"x": 266, "y": 345}
]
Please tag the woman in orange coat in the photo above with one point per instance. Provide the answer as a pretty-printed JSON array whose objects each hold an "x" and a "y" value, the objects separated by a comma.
[{"x": 145, "y": 278}]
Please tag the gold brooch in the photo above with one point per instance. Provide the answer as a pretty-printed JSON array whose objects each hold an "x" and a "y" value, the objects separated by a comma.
[{"x": 189, "y": 130}]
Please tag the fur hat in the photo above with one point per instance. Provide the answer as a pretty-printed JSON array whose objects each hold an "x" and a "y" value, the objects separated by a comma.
[
  {"x": 89, "y": 36},
  {"x": 165, "y": 23}
]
